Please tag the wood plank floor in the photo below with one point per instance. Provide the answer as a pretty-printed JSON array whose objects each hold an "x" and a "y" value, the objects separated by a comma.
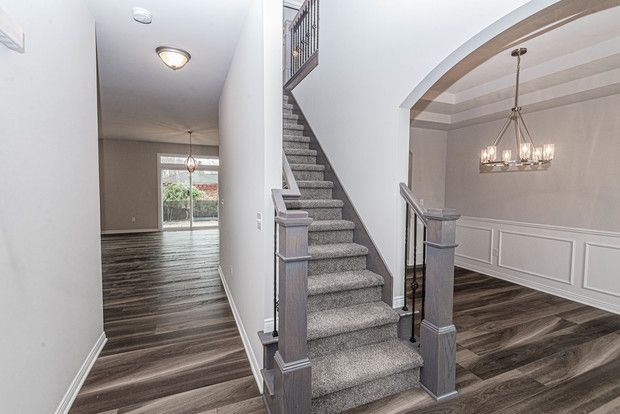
[
  {"x": 173, "y": 346},
  {"x": 523, "y": 351}
]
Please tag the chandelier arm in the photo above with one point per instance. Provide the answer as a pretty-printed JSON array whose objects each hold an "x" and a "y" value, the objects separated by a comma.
[
  {"x": 503, "y": 130},
  {"x": 517, "y": 135},
  {"x": 526, "y": 130}
]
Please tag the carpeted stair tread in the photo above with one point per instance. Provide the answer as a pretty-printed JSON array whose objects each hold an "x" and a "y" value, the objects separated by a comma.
[
  {"x": 337, "y": 282},
  {"x": 301, "y": 204},
  {"x": 337, "y": 250},
  {"x": 296, "y": 151},
  {"x": 330, "y": 225},
  {"x": 348, "y": 368},
  {"x": 296, "y": 138},
  {"x": 287, "y": 125},
  {"x": 307, "y": 167},
  {"x": 315, "y": 184},
  {"x": 337, "y": 321},
  {"x": 287, "y": 106}
]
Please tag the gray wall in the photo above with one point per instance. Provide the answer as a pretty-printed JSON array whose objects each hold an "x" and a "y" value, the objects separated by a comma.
[
  {"x": 129, "y": 181},
  {"x": 50, "y": 252},
  {"x": 581, "y": 189},
  {"x": 428, "y": 175}
]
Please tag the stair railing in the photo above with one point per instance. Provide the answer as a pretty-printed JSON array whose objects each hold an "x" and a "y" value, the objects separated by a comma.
[
  {"x": 291, "y": 374},
  {"x": 301, "y": 43},
  {"x": 437, "y": 332}
]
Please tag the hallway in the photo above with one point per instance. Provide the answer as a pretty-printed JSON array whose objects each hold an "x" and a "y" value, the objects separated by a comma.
[{"x": 173, "y": 345}]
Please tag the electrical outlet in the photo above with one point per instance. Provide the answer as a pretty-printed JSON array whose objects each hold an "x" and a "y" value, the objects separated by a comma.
[{"x": 259, "y": 221}]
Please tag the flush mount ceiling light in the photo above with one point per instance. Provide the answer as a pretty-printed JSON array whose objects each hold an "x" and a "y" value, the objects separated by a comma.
[
  {"x": 174, "y": 58},
  {"x": 190, "y": 162},
  {"x": 526, "y": 154}
]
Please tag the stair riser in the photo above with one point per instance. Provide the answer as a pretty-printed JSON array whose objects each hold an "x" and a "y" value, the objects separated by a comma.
[
  {"x": 338, "y": 264},
  {"x": 294, "y": 132},
  {"x": 316, "y": 193},
  {"x": 301, "y": 159},
  {"x": 287, "y": 111},
  {"x": 329, "y": 213},
  {"x": 290, "y": 118},
  {"x": 350, "y": 340},
  {"x": 295, "y": 145},
  {"x": 329, "y": 237},
  {"x": 370, "y": 391},
  {"x": 309, "y": 175},
  {"x": 350, "y": 297}
]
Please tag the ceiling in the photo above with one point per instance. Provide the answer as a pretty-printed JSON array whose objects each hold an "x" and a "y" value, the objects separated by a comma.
[
  {"x": 577, "y": 61},
  {"x": 140, "y": 97}
]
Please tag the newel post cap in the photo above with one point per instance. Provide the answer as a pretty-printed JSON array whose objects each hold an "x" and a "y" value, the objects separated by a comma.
[{"x": 442, "y": 214}]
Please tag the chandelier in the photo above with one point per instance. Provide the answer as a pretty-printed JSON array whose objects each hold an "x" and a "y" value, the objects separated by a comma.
[
  {"x": 527, "y": 153},
  {"x": 190, "y": 162}
]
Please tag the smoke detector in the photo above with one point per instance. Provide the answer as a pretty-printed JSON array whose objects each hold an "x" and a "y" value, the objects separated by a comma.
[{"x": 142, "y": 15}]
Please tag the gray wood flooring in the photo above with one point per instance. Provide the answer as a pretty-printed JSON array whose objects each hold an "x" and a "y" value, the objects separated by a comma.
[
  {"x": 173, "y": 345},
  {"x": 523, "y": 351}
]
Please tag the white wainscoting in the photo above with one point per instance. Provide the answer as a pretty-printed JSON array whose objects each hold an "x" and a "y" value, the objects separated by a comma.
[{"x": 578, "y": 264}]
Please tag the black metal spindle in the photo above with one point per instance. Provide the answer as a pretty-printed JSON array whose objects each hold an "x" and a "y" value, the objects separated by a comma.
[
  {"x": 414, "y": 282},
  {"x": 406, "y": 256},
  {"x": 423, "y": 272},
  {"x": 275, "y": 278}
]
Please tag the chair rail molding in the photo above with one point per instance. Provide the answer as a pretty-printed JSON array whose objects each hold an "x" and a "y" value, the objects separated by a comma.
[{"x": 574, "y": 263}]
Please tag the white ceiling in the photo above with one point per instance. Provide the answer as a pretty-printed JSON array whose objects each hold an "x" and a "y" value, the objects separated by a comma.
[
  {"x": 140, "y": 97},
  {"x": 575, "y": 62}
]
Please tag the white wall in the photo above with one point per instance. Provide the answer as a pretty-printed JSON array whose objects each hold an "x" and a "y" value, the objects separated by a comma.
[
  {"x": 250, "y": 166},
  {"x": 50, "y": 264},
  {"x": 371, "y": 58}
]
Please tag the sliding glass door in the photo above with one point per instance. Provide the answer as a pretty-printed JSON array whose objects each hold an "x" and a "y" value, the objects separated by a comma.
[{"x": 188, "y": 200}]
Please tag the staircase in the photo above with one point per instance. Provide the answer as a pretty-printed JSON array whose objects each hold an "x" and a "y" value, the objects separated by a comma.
[{"x": 353, "y": 345}]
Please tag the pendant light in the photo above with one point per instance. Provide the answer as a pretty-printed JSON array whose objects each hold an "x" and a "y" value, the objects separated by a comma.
[
  {"x": 190, "y": 162},
  {"x": 527, "y": 153}
]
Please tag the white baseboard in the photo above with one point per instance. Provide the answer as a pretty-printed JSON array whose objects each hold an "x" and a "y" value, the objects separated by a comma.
[
  {"x": 80, "y": 377},
  {"x": 537, "y": 286},
  {"x": 128, "y": 231},
  {"x": 574, "y": 263},
  {"x": 247, "y": 345},
  {"x": 398, "y": 301}
]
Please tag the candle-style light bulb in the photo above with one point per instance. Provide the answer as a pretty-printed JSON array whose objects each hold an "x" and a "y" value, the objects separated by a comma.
[
  {"x": 492, "y": 152},
  {"x": 548, "y": 152},
  {"x": 507, "y": 156},
  {"x": 525, "y": 152},
  {"x": 484, "y": 156}
]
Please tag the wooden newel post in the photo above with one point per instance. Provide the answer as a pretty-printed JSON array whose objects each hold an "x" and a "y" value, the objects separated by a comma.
[
  {"x": 293, "y": 382},
  {"x": 437, "y": 332}
]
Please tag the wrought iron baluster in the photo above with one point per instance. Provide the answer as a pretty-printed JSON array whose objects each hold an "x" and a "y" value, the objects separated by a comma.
[
  {"x": 414, "y": 282},
  {"x": 406, "y": 256},
  {"x": 423, "y": 272},
  {"x": 275, "y": 278}
]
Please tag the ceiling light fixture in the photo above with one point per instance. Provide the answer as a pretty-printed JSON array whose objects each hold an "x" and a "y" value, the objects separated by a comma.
[
  {"x": 142, "y": 15},
  {"x": 174, "y": 58},
  {"x": 190, "y": 162},
  {"x": 526, "y": 152}
]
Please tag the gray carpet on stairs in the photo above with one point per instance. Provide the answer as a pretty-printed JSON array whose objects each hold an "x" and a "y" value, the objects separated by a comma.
[{"x": 352, "y": 335}]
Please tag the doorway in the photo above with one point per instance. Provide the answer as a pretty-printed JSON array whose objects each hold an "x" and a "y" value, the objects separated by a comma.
[{"x": 188, "y": 201}]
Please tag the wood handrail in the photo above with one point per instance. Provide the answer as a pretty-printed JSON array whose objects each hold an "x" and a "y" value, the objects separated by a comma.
[
  {"x": 279, "y": 195},
  {"x": 413, "y": 202}
]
